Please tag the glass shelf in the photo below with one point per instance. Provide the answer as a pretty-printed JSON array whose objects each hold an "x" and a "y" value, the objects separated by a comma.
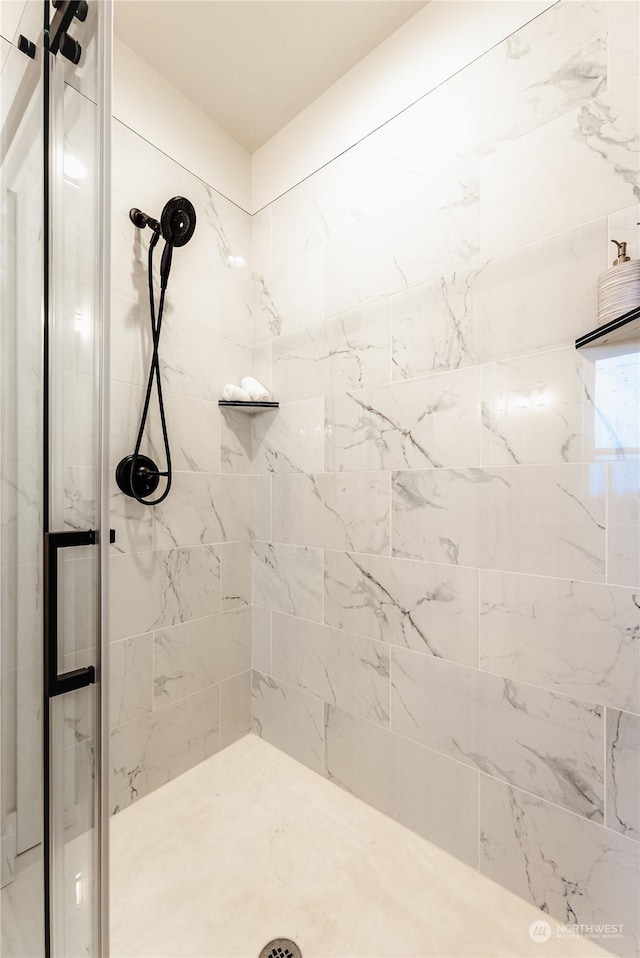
[
  {"x": 624, "y": 329},
  {"x": 248, "y": 407}
]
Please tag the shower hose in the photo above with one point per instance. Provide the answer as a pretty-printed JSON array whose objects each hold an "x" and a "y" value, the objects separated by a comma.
[{"x": 154, "y": 372}]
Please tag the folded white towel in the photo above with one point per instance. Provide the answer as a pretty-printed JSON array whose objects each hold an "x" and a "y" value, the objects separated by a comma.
[
  {"x": 255, "y": 389},
  {"x": 233, "y": 393}
]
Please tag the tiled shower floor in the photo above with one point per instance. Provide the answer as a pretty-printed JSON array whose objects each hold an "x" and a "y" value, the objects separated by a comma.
[{"x": 250, "y": 846}]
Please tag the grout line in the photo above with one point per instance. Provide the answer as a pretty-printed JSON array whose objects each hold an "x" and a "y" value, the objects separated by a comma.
[
  {"x": 604, "y": 767},
  {"x": 409, "y": 106},
  {"x": 177, "y": 162},
  {"x": 568, "y": 696},
  {"x": 607, "y": 499}
]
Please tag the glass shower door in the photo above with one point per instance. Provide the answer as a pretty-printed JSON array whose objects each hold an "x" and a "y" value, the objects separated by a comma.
[
  {"x": 55, "y": 138},
  {"x": 21, "y": 397}
]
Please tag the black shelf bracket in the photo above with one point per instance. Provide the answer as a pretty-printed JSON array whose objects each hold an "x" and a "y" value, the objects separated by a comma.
[{"x": 253, "y": 406}]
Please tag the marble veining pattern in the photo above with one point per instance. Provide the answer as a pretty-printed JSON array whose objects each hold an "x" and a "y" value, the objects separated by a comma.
[
  {"x": 346, "y": 670},
  {"x": 548, "y": 520},
  {"x": 287, "y": 579},
  {"x": 567, "y": 866},
  {"x": 350, "y": 351},
  {"x": 422, "y": 423},
  {"x": 577, "y": 638},
  {"x": 558, "y": 407},
  {"x": 333, "y": 511},
  {"x": 466, "y": 317},
  {"x": 200, "y": 653},
  {"x": 290, "y": 718},
  {"x": 549, "y": 744},
  {"x": 427, "y": 608},
  {"x": 623, "y": 773},
  {"x": 437, "y": 230}
]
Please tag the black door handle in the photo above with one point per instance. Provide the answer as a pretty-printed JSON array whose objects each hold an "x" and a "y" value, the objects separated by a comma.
[{"x": 77, "y": 678}]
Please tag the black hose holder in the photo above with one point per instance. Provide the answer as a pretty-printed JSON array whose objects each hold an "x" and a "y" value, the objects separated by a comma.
[{"x": 141, "y": 481}]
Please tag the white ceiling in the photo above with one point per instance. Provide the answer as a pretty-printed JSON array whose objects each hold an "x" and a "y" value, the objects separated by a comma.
[{"x": 252, "y": 65}]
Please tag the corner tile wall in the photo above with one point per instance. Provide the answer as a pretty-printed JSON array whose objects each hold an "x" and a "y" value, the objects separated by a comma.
[
  {"x": 447, "y": 611},
  {"x": 180, "y": 616}
]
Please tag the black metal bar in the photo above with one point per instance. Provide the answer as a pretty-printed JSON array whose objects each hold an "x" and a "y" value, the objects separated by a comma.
[
  {"x": 77, "y": 678},
  {"x": 608, "y": 328},
  {"x": 46, "y": 718},
  {"x": 56, "y": 684}
]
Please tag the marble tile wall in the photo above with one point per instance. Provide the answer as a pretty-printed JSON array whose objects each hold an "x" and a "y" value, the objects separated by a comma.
[
  {"x": 181, "y": 571},
  {"x": 446, "y": 615}
]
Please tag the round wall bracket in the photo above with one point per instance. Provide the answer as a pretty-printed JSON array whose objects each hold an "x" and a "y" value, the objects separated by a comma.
[{"x": 140, "y": 483}]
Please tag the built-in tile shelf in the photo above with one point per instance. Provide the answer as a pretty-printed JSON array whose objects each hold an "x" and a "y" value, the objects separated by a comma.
[
  {"x": 249, "y": 407},
  {"x": 624, "y": 329}
]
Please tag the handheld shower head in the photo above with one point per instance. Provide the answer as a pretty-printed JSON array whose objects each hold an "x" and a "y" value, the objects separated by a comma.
[{"x": 178, "y": 221}]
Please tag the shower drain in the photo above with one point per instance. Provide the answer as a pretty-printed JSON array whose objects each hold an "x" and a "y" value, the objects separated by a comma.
[{"x": 281, "y": 948}]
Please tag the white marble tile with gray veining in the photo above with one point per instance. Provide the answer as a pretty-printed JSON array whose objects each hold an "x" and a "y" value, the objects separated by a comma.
[
  {"x": 572, "y": 869},
  {"x": 235, "y": 708},
  {"x": 193, "y": 426},
  {"x": 200, "y": 508},
  {"x": 235, "y": 575},
  {"x": 195, "y": 361},
  {"x": 235, "y": 442},
  {"x": 290, "y": 439},
  {"x": 194, "y": 655},
  {"x": 436, "y": 230},
  {"x": 221, "y": 239},
  {"x": 333, "y": 511},
  {"x": 350, "y": 351},
  {"x": 547, "y": 520},
  {"x": 624, "y": 42},
  {"x": 287, "y": 579},
  {"x": 261, "y": 365},
  {"x": 560, "y": 406},
  {"x": 261, "y": 243},
  {"x": 21, "y": 616},
  {"x": 524, "y": 200},
  {"x": 467, "y": 317},
  {"x": 290, "y": 719},
  {"x": 260, "y": 516},
  {"x": 130, "y": 679},
  {"x": 344, "y": 669},
  {"x": 152, "y": 590},
  {"x": 546, "y": 68},
  {"x": 578, "y": 638},
  {"x": 623, "y": 516},
  {"x": 154, "y": 749},
  {"x": 428, "y": 608},
  {"x": 289, "y": 297},
  {"x": 425, "y": 422},
  {"x": 261, "y": 639},
  {"x": 396, "y": 776},
  {"x": 546, "y": 743},
  {"x": 20, "y": 513},
  {"x": 623, "y": 773}
]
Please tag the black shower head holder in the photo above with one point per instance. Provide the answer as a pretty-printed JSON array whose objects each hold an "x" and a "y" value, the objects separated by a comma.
[
  {"x": 177, "y": 221},
  {"x": 138, "y": 476}
]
